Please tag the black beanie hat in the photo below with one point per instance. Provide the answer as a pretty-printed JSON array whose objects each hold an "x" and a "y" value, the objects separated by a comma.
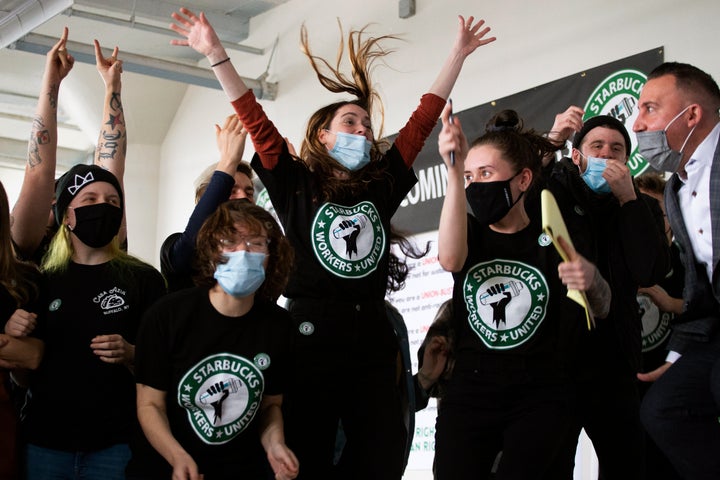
[
  {"x": 77, "y": 178},
  {"x": 602, "y": 121}
]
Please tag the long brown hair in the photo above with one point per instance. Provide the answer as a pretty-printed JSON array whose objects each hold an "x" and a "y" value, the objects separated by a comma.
[
  {"x": 15, "y": 275},
  {"x": 362, "y": 52}
]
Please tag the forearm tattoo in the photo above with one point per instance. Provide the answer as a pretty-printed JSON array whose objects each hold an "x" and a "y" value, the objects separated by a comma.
[
  {"x": 113, "y": 138},
  {"x": 53, "y": 95},
  {"x": 599, "y": 296},
  {"x": 115, "y": 102},
  {"x": 39, "y": 135}
]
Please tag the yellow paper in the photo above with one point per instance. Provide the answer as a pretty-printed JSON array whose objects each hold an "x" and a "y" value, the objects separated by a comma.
[{"x": 554, "y": 226}]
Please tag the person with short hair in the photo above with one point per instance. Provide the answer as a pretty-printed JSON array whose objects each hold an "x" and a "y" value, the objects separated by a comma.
[
  {"x": 230, "y": 178},
  {"x": 624, "y": 233},
  {"x": 678, "y": 131}
]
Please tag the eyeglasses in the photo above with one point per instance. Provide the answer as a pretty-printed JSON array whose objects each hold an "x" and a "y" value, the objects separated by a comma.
[{"x": 250, "y": 243}]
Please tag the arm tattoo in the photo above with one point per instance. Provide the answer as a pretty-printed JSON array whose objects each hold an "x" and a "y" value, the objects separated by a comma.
[
  {"x": 599, "y": 296},
  {"x": 115, "y": 102},
  {"x": 108, "y": 147},
  {"x": 39, "y": 135},
  {"x": 53, "y": 95}
]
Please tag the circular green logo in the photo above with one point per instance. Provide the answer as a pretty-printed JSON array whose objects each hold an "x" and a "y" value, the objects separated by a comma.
[
  {"x": 544, "y": 240},
  {"x": 55, "y": 305},
  {"x": 348, "y": 241},
  {"x": 262, "y": 360},
  {"x": 222, "y": 394},
  {"x": 655, "y": 324},
  {"x": 506, "y": 302},
  {"x": 617, "y": 96},
  {"x": 306, "y": 328}
]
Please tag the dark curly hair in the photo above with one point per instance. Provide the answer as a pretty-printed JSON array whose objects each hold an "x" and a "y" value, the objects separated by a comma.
[{"x": 223, "y": 224}]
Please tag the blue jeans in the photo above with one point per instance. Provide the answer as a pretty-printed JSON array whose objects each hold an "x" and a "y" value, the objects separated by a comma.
[{"x": 49, "y": 464}]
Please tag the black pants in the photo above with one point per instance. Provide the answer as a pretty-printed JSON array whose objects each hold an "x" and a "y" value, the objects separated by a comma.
[
  {"x": 681, "y": 410},
  {"x": 609, "y": 411},
  {"x": 345, "y": 370},
  {"x": 504, "y": 408}
]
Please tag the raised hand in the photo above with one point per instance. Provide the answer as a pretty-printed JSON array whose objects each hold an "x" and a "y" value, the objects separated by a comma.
[
  {"x": 58, "y": 62},
  {"x": 110, "y": 68},
  {"x": 452, "y": 139},
  {"x": 470, "y": 37},
  {"x": 566, "y": 124},
  {"x": 231, "y": 143},
  {"x": 199, "y": 34}
]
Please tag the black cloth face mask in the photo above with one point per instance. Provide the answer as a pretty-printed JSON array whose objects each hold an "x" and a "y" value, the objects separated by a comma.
[
  {"x": 96, "y": 225},
  {"x": 491, "y": 201}
]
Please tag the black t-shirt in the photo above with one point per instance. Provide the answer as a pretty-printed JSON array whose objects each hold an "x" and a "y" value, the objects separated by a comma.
[
  {"x": 510, "y": 305},
  {"x": 78, "y": 402},
  {"x": 215, "y": 370},
  {"x": 341, "y": 247}
]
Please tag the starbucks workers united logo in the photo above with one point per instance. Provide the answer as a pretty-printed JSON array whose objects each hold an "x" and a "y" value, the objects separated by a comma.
[
  {"x": 655, "y": 323},
  {"x": 617, "y": 96},
  {"x": 506, "y": 302},
  {"x": 348, "y": 241},
  {"x": 221, "y": 394}
]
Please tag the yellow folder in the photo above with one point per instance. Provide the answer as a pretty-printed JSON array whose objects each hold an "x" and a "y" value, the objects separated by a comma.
[{"x": 554, "y": 226}]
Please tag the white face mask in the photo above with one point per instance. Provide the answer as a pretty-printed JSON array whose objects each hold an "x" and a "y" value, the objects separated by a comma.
[
  {"x": 351, "y": 151},
  {"x": 656, "y": 150}
]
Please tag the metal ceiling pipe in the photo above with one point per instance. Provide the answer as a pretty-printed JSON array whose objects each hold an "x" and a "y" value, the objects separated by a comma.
[
  {"x": 155, "y": 67},
  {"x": 27, "y": 17}
]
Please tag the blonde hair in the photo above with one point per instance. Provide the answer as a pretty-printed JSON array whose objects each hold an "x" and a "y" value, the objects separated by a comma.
[{"x": 60, "y": 252}]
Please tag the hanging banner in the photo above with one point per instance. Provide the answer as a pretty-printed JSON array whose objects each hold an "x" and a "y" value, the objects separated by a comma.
[{"x": 611, "y": 89}]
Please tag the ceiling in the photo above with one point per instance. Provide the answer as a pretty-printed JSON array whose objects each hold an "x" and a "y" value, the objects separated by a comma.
[{"x": 157, "y": 71}]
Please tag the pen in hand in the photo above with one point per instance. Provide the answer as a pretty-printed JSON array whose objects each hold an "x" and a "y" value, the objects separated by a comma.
[{"x": 452, "y": 153}]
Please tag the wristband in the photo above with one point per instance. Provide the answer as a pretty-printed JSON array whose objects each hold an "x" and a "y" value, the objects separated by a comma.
[{"x": 220, "y": 62}]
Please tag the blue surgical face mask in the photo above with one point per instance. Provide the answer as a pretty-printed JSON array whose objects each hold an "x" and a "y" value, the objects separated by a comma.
[
  {"x": 593, "y": 174},
  {"x": 351, "y": 151},
  {"x": 242, "y": 274},
  {"x": 654, "y": 147}
]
